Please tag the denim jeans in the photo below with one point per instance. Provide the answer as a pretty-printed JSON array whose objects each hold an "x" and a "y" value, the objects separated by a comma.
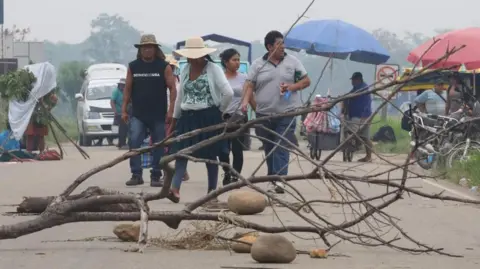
[
  {"x": 181, "y": 168},
  {"x": 277, "y": 162},
  {"x": 138, "y": 130},
  {"x": 122, "y": 130}
]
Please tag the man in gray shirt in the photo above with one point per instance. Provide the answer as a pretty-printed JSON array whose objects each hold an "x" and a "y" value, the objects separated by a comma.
[{"x": 276, "y": 79}]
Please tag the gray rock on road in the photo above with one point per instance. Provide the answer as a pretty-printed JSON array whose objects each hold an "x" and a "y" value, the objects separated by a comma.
[
  {"x": 273, "y": 248},
  {"x": 243, "y": 202},
  {"x": 128, "y": 232}
]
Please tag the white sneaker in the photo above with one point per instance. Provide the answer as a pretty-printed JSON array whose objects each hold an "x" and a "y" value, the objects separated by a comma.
[{"x": 278, "y": 187}]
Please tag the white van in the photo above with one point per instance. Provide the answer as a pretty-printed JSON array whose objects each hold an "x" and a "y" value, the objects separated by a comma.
[{"x": 94, "y": 113}]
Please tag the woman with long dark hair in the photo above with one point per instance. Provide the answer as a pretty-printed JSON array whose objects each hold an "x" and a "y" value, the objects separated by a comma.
[
  {"x": 203, "y": 95},
  {"x": 175, "y": 67},
  {"x": 231, "y": 63}
]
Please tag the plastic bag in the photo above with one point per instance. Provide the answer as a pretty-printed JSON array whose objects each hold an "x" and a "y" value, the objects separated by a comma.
[
  {"x": 19, "y": 113},
  {"x": 7, "y": 142},
  {"x": 147, "y": 156},
  {"x": 334, "y": 120}
]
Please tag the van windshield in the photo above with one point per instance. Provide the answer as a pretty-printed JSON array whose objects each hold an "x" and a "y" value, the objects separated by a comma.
[{"x": 100, "y": 92}]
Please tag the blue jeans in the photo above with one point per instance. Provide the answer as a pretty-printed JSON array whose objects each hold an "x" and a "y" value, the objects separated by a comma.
[
  {"x": 137, "y": 133},
  {"x": 181, "y": 168},
  {"x": 277, "y": 162}
]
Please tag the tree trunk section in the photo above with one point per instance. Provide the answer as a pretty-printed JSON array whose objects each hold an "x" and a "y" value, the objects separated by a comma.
[{"x": 36, "y": 205}]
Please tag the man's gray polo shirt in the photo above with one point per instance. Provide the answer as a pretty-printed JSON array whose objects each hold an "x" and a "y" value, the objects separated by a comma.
[{"x": 268, "y": 80}]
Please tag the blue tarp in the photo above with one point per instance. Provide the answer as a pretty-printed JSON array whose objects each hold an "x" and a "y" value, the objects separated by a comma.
[{"x": 7, "y": 142}]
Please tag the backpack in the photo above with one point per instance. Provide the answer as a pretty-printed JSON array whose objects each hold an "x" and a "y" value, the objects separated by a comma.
[{"x": 385, "y": 134}]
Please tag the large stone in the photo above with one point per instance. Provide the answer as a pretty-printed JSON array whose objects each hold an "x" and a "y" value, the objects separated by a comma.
[
  {"x": 244, "y": 248},
  {"x": 245, "y": 202},
  {"x": 273, "y": 248},
  {"x": 128, "y": 232}
]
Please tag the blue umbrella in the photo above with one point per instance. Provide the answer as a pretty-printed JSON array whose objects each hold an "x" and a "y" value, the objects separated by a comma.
[{"x": 337, "y": 39}]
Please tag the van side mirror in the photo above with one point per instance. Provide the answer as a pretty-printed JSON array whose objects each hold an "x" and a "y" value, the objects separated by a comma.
[{"x": 78, "y": 96}]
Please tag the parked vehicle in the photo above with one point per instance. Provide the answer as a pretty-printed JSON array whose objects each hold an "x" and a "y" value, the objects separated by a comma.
[{"x": 94, "y": 113}]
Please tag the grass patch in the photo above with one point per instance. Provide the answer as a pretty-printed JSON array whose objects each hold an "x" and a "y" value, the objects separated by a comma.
[
  {"x": 469, "y": 169},
  {"x": 403, "y": 138},
  {"x": 70, "y": 126}
]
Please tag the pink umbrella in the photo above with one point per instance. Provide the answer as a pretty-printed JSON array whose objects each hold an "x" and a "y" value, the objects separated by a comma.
[{"x": 468, "y": 56}]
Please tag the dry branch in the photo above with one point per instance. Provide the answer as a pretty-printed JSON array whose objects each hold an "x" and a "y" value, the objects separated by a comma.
[{"x": 95, "y": 204}]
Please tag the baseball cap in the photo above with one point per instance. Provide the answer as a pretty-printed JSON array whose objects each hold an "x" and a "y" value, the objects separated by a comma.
[
  {"x": 357, "y": 75},
  {"x": 122, "y": 81}
]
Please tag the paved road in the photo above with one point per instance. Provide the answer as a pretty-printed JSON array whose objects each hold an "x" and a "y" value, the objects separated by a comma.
[{"x": 450, "y": 225}]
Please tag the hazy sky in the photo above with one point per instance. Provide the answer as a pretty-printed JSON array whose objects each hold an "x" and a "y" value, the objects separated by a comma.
[{"x": 174, "y": 20}]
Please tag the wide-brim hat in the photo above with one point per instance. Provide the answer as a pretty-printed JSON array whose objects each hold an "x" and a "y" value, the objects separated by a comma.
[
  {"x": 194, "y": 48},
  {"x": 148, "y": 39},
  {"x": 171, "y": 60}
]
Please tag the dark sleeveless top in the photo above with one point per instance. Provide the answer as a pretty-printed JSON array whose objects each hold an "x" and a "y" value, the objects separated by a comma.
[{"x": 149, "y": 90}]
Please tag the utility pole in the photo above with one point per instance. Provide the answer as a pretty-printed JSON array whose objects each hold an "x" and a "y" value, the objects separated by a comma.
[{"x": 2, "y": 21}]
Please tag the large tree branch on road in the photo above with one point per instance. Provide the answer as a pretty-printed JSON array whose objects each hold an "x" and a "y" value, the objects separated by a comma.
[{"x": 366, "y": 224}]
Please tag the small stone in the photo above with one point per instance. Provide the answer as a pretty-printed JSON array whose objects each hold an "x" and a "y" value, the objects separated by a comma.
[
  {"x": 273, "y": 248},
  {"x": 128, "y": 232},
  {"x": 319, "y": 253},
  {"x": 244, "y": 248},
  {"x": 244, "y": 202},
  {"x": 463, "y": 182}
]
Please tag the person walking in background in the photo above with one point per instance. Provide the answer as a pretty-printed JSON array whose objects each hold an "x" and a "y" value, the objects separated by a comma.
[
  {"x": 231, "y": 62},
  {"x": 359, "y": 109},
  {"x": 148, "y": 78},
  {"x": 276, "y": 78},
  {"x": 203, "y": 95},
  {"x": 116, "y": 104},
  {"x": 176, "y": 68}
]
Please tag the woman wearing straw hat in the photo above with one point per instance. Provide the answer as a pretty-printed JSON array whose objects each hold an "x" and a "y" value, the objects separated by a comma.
[
  {"x": 146, "y": 85},
  {"x": 203, "y": 95}
]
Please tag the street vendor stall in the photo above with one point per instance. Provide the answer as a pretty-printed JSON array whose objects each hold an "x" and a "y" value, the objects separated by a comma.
[{"x": 337, "y": 40}]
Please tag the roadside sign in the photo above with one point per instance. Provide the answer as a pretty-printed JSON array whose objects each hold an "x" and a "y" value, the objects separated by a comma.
[{"x": 386, "y": 73}]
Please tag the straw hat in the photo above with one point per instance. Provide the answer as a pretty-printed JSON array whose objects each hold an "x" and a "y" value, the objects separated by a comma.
[
  {"x": 194, "y": 48},
  {"x": 147, "y": 40},
  {"x": 171, "y": 60}
]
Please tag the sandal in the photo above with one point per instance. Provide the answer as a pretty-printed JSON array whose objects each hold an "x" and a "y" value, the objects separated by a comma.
[
  {"x": 365, "y": 160},
  {"x": 172, "y": 197}
]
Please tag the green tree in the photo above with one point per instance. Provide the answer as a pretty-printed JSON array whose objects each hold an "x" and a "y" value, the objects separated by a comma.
[
  {"x": 70, "y": 80},
  {"x": 111, "y": 39}
]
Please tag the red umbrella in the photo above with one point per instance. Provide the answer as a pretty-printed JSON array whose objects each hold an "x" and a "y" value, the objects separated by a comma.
[{"x": 468, "y": 56}]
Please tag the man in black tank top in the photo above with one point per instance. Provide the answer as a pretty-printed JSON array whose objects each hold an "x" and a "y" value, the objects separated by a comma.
[{"x": 147, "y": 81}]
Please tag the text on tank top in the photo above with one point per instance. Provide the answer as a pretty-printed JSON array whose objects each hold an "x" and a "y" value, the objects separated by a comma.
[{"x": 149, "y": 89}]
